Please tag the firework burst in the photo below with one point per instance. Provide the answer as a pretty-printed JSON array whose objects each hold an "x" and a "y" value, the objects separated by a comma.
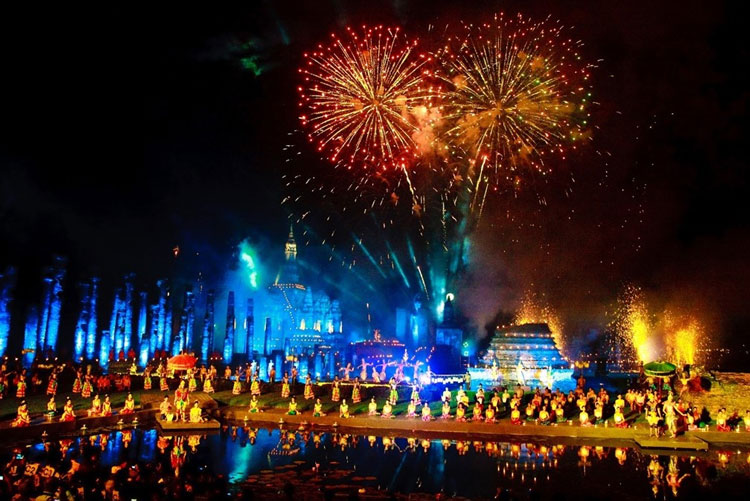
[
  {"x": 533, "y": 310},
  {"x": 513, "y": 92},
  {"x": 365, "y": 100}
]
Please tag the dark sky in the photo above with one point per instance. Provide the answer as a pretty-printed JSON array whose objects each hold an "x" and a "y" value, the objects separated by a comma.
[{"x": 126, "y": 133}]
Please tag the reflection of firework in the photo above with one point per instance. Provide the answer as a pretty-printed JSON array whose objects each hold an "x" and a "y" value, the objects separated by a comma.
[
  {"x": 535, "y": 310},
  {"x": 514, "y": 92},
  {"x": 363, "y": 100}
]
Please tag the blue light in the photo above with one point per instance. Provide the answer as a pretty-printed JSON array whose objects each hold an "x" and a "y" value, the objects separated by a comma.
[{"x": 91, "y": 326}]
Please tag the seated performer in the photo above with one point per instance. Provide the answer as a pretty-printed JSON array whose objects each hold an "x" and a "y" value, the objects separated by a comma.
[
  {"x": 254, "y": 404},
  {"x": 619, "y": 418},
  {"x": 255, "y": 386},
  {"x": 129, "y": 407},
  {"x": 426, "y": 412},
  {"x": 51, "y": 408},
  {"x": 343, "y": 409},
  {"x": 387, "y": 410},
  {"x": 292, "y": 407},
  {"x": 446, "y": 410},
  {"x": 318, "y": 409},
  {"x": 96, "y": 407},
  {"x": 68, "y": 412},
  {"x": 489, "y": 414},
  {"x": 411, "y": 410},
  {"x": 446, "y": 395},
  {"x": 544, "y": 416},
  {"x": 106, "y": 407},
  {"x": 22, "y": 416},
  {"x": 461, "y": 412},
  {"x": 515, "y": 416},
  {"x": 207, "y": 386},
  {"x": 372, "y": 408},
  {"x": 236, "y": 388},
  {"x": 583, "y": 417},
  {"x": 195, "y": 413},
  {"x": 165, "y": 407},
  {"x": 478, "y": 413}
]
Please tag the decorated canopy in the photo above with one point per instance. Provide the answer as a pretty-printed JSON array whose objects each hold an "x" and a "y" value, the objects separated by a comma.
[
  {"x": 181, "y": 362},
  {"x": 659, "y": 369}
]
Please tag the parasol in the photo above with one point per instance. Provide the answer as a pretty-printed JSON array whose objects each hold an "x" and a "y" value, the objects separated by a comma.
[
  {"x": 181, "y": 362},
  {"x": 659, "y": 369}
]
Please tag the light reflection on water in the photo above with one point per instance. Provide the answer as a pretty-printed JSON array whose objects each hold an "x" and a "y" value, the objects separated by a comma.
[{"x": 473, "y": 469}]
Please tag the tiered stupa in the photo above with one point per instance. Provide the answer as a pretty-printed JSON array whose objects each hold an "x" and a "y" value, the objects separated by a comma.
[{"x": 525, "y": 354}]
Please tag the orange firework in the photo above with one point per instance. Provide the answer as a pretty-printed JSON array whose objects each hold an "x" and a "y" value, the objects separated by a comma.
[
  {"x": 535, "y": 310},
  {"x": 363, "y": 99}
]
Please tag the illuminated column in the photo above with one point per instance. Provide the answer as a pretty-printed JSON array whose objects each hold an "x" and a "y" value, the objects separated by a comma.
[
  {"x": 153, "y": 323},
  {"x": 114, "y": 341},
  {"x": 250, "y": 328},
  {"x": 7, "y": 284},
  {"x": 91, "y": 326},
  {"x": 127, "y": 320},
  {"x": 143, "y": 332},
  {"x": 266, "y": 335},
  {"x": 178, "y": 343},
  {"x": 83, "y": 321},
  {"x": 207, "y": 340},
  {"x": 229, "y": 330},
  {"x": 162, "y": 315},
  {"x": 190, "y": 326},
  {"x": 55, "y": 303},
  {"x": 168, "y": 327},
  {"x": 30, "y": 336},
  {"x": 44, "y": 316},
  {"x": 104, "y": 347}
]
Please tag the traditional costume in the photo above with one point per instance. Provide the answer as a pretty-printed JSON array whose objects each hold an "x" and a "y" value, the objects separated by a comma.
[
  {"x": 446, "y": 410},
  {"x": 318, "y": 409},
  {"x": 292, "y": 408},
  {"x": 22, "y": 417},
  {"x": 68, "y": 412},
  {"x": 285, "y": 387},
  {"x": 207, "y": 387},
  {"x": 309, "y": 389},
  {"x": 21, "y": 388},
  {"x": 129, "y": 407},
  {"x": 96, "y": 407},
  {"x": 77, "y": 385},
  {"x": 335, "y": 392},
  {"x": 343, "y": 410},
  {"x": 356, "y": 397},
  {"x": 255, "y": 386},
  {"x": 52, "y": 385},
  {"x": 426, "y": 412},
  {"x": 372, "y": 408},
  {"x": 387, "y": 410},
  {"x": 195, "y": 414},
  {"x": 254, "y": 404},
  {"x": 236, "y": 387},
  {"x": 106, "y": 407},
  {"x": 163, "y": 385}
]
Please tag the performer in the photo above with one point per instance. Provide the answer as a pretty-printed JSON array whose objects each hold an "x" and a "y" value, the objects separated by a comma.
[
  {"x": 133, "y": 369},
  {"x": 163, "y": 385},
  {"x": 129, "y": 407},
  {"x": 308, "y": 388},
  {"x": 292, "y": 407},
  {"x": 335, "y": 391},
  {"x": 255, "y": 386},
  {"x": 236, "y": 387},
  {"x": 478, "y": 412},
  {"x": 414, "y": 392},
  {"x": 393, "y": 395},
  {"x": 192, "y": 381},
  {"x": 544, "y": 416},
  {"x": 446, "y": 410},
  {"x": 347, "y": 370},
  {"x": 106, "y": 407},
  {"x": 207, "y": 387},
  {"x": 318, "y": 409},
  {"x": 619, "y": 418},
  {"x": 22, "y": 416},
  {"x": 51, "y": 408},
  {"x": 195, "y": 413},
  {"x": 387, "y": 410},
  {"x": 343, "y": 410},
  {"x": 461, "y": 413},
  {"x": 489, "y": 414},
  {"x": 147, "y": 379},
  {"x": 372, "y": 408},
  {"x": 77, "y": 384},
  {"x": 68, "y": 412},
  {"x": 363, "y": 372},
  {"x": 96, "y": 407},
  {"x": 285, "y": 386},
  {"x": 356, "y": 397},
  {"x": 52, "y": 385},
  {"x": 583, "y": 417},
  {"x": 165, "y": 407},
  {"x": 411, "y": 409},
  {"x": 479, "y": 395},
  {"x": 426, "y": 412},
  {"x": 446, "y": 395},
  {"x": 180, "y": 407},
  {"x": 254, "y": 404},
  {"x": 271, "y": 373},
  {"x": 515, "y": 415}
]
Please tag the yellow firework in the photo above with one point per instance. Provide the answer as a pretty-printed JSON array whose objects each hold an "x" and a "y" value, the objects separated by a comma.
[{"x": 513, "y": 92}]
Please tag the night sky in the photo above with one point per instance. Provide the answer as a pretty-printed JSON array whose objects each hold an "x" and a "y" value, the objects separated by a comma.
[{"x": 125, "y": 134}]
